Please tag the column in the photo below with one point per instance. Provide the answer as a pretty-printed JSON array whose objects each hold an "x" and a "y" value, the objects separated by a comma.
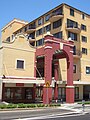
[
  {"x": 70, "y": 86},
  {"x": 1, "y": 90},
  {"x": 56, "y": 64},
  {"x": 34, "y": 92},
  {"x": 47, "y": 91},
  {"x": 35, "y": 65}
]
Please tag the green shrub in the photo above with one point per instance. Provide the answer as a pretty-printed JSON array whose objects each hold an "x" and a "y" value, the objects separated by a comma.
[
  {"x": 12, "y": 106},
  {"x": 21, "y": 105},
  {"x": 86, "y": 102},
  {"x": 40, "y": 105},
  {"x": 3, "y": 106},
  {"x": 54, "y": 105}
]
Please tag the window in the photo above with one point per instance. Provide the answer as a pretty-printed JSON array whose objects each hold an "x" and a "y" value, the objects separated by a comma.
[
  {"x": 40, "y": 42},
  {"x": 83, "y": 27},
  {"x": 8, "y": 39},
  {"x": 8, "y": 93},
  {"x": 58, "y": 11},
  {"x": 62, "y": 93},
  {"x": 74, "y": 50},
  {"x": 18, "y": 93},
  {"x": 87, "y": 70},
  {"x": 20, "y": 64},
  {"x": 84, "y": 39},
  {"x": 39, "y": 32},
  {"x": 58, "y": 35},
  {"x": 12, "y": 37},
  {"x": 47, "y": 28},
  {"x": 76, "y": 92},
  {"x": 47, "y": 17},
  {"x": 83, "y": 16},
  {"x": 25, "y": 29},
  {"x": 84, "y": 51},
  {"x": 57, "y": 24},
  {"x": 28, "y": 93},
  {"x": 73, "y": 36},
  {"x": 71, "y": 12},
  {"x": 71, "y": 24},
  {"x": 40, "y": 21},
  {"x": 74, "y": 68},
  {"x": 31, "y": 35},
  {"x": 39, "y": 93}
]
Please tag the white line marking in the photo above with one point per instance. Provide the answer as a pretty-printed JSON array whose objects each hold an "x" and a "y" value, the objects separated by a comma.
[{"x": 50, "y": 116}]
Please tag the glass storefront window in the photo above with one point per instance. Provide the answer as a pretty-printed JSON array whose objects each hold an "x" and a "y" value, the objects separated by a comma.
[
  {"x": 39, "y": 93},
  {"x": 8, "y": 93},
  {"x": 18, "y": 93},
  {"x": 28, "y": 93}
]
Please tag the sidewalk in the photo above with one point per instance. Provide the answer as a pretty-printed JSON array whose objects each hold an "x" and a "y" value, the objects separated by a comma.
[{"x": 76, "y": 107}]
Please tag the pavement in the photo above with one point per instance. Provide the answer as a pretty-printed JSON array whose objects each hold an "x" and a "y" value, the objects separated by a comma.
[{"x": 75, "y": 107}]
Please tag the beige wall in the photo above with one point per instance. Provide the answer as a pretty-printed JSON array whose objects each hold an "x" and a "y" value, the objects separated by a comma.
[
  {"x": 84, "y": 76},
  {"x": 18, "y": 50},
  {"x": 62, "y": 69},
  {"x": 1, "y": 61},
  {"x": 10, "y": 28}
]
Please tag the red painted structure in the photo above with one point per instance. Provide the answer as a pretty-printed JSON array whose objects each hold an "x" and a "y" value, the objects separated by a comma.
[{"x": 53, "y": 50}]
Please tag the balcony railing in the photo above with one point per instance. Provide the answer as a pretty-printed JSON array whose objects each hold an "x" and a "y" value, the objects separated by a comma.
[
  {"x": 56, "y": 16},
  {"x": 56, "y": 13},
  {"x": 31, "y": 29},
  {"x": 73, "y": 27}
]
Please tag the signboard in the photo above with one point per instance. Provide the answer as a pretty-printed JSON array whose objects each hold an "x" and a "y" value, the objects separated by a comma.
[
  {"x": 19, "y": 84},
  {"x": 47, "y": 84}
]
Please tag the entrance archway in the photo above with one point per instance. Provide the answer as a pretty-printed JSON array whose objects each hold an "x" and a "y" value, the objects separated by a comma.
[{"x": 53, "y": 50}]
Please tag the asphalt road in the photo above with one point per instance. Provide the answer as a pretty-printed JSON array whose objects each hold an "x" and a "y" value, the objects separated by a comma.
[
  {"x": 69, "y": 117},
  {"x": 61, "y": 117},
  {"x": 17, "y": 114}
]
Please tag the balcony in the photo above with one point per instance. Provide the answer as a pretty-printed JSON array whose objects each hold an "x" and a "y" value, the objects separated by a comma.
[
  {"x": 30, "y": 29},
  {"x": 77, "y": 54},
  {"x": 73, "y": 28},
  {"x": 31, "y": 40},
  {"x": 55, "y": 16}
]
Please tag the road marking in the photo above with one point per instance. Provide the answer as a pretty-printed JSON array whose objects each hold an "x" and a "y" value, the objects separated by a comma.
[{"x": 51, "y": 116}]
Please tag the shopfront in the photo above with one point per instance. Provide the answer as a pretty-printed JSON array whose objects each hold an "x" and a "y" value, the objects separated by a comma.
[
  {"x": 18, "y": 94},
  {"x": 24, "y": 91}
]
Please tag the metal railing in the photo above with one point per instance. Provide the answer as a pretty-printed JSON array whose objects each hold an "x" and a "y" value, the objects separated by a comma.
[
  {"x": 73, "y": 25},
  {"x": 56, "y": 13},
  {"x": 31, "y": 27}
]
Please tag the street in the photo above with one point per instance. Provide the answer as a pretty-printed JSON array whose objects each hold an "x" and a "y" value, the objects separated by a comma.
[
  {"x": 65, "y": 117},
  {"x": 60, "y": 113},
  {"x": 17, "y": 114}
]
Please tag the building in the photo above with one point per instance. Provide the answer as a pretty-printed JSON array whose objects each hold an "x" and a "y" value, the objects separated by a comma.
[{"x": 64, "y": 22}]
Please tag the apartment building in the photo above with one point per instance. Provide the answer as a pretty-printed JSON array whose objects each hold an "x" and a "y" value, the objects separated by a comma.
[{"x": 64, "y": 22}]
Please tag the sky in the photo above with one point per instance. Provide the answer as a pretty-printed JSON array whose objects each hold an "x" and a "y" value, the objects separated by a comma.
[{"x": 28, "y": 10}]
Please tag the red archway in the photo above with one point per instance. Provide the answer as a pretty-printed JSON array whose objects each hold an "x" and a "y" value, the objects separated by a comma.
[{"x": 55, "y": 49}]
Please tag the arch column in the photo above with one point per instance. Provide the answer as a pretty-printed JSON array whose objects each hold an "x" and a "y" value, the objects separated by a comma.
[
  {"x": 56, "y": 64},
  {"x": 70, "y": 86},
  {"x": 47, "y": 91},
  {"x": 1, "y": 90},
  {"x": 35, "y": 64}
]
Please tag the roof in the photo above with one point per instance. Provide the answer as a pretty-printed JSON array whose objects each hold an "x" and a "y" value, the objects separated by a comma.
[{"x": 14, "y": 20}]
